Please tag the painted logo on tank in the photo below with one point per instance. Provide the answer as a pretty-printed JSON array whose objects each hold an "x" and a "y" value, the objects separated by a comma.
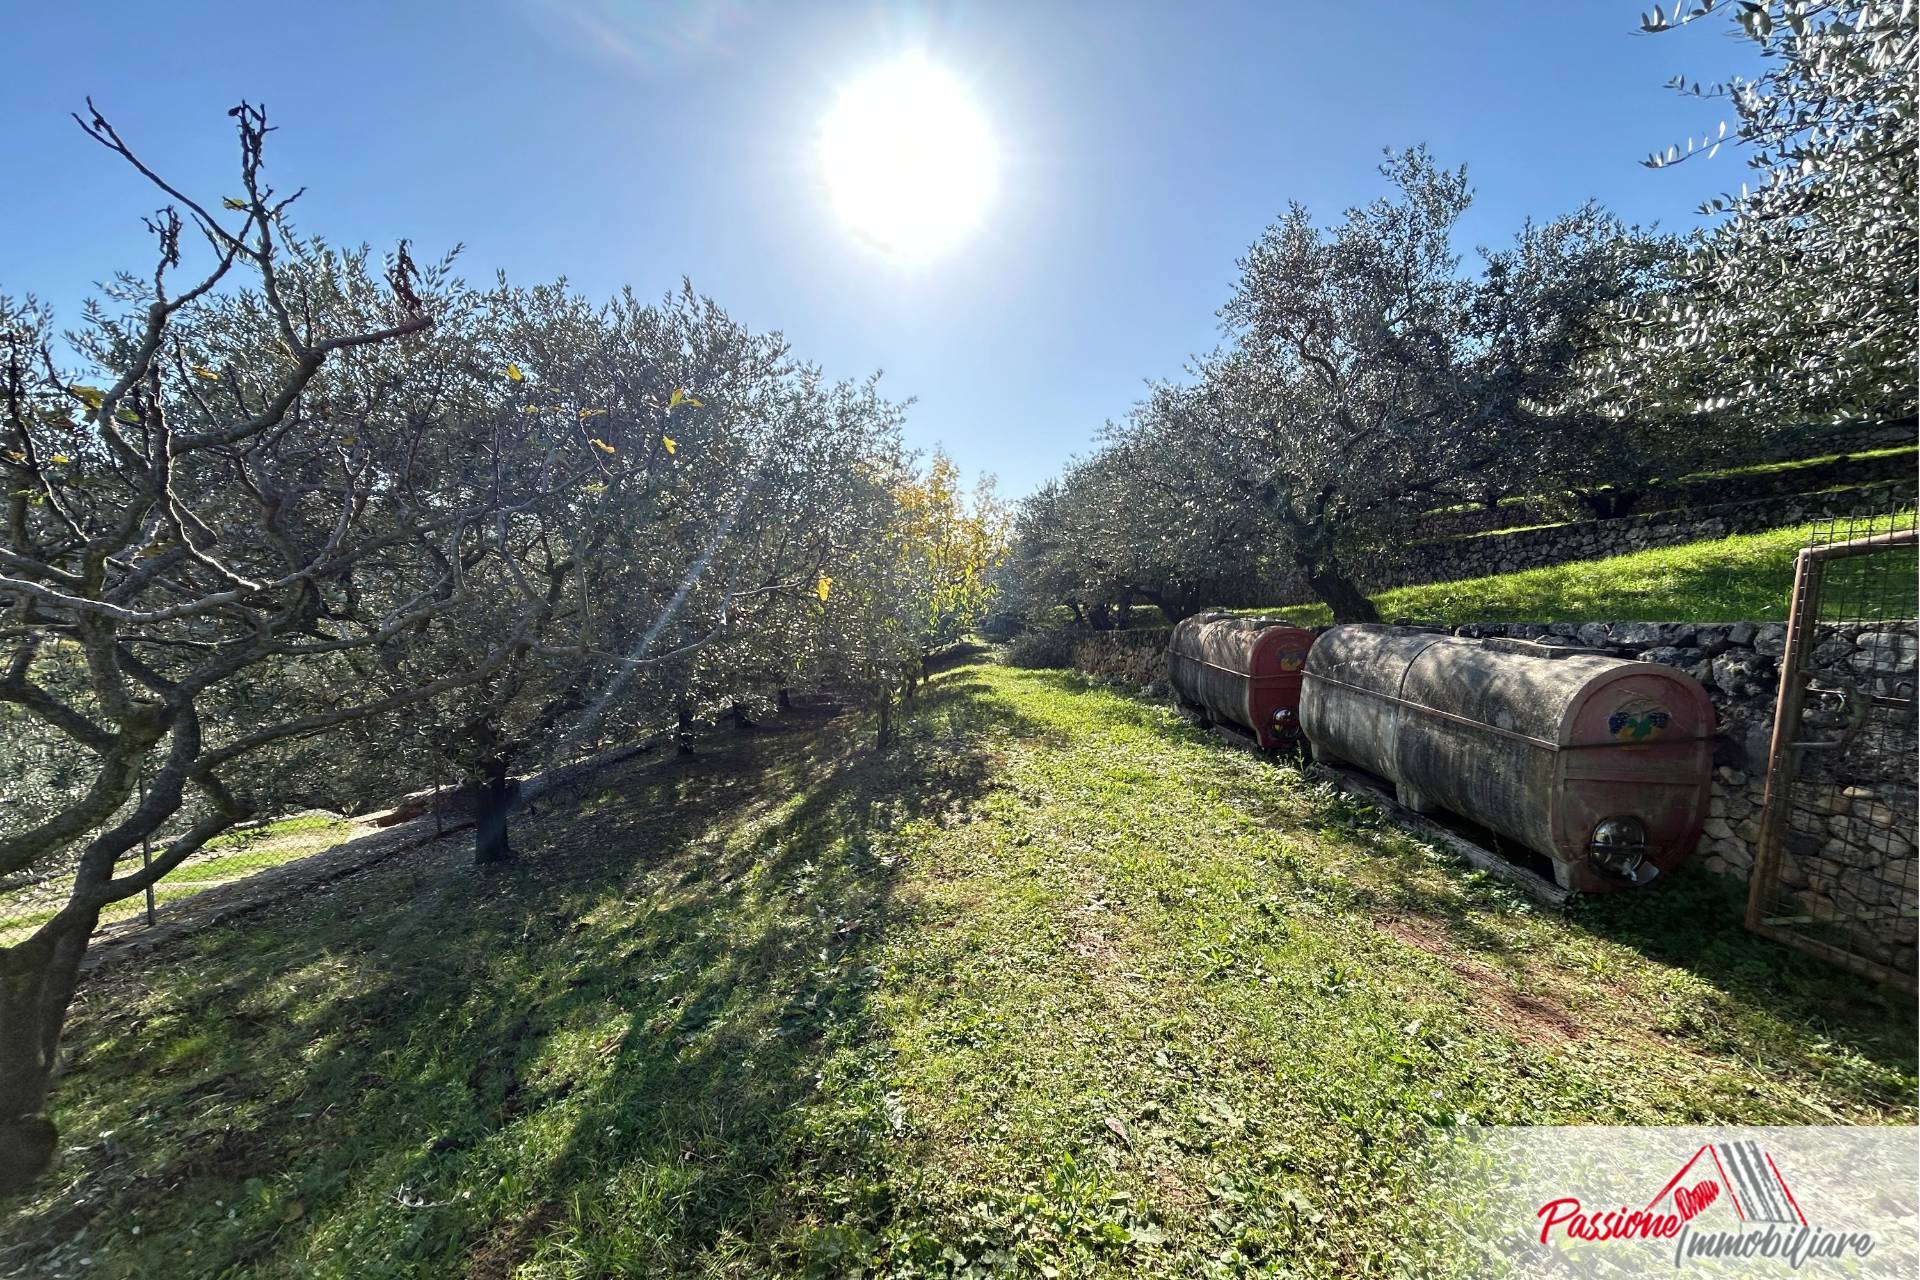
[
  {"x": 1641, "y": 720},
  {"x": 1293, "y": 660}
]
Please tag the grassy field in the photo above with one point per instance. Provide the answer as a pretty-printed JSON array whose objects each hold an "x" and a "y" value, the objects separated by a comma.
[
  {"x": 1744, "y": 578},
  {"x": 224, "y": 858},
  {"x": 1056, "y": 988}
]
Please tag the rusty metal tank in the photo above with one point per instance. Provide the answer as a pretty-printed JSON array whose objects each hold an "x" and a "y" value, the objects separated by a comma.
[
  {"x": 1241, "y": 672},
  {"x": 1598, "y": 763}
]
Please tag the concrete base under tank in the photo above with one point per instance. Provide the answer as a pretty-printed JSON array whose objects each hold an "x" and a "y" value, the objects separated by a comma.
[{"x": 1365, "y": 785}]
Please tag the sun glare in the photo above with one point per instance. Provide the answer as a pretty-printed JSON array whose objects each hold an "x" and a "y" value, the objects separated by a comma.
[{"x": 908, "y": 158}]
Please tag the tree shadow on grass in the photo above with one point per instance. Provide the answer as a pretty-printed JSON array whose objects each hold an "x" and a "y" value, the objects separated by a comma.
[
  {"x": 647, "y": 1046},
  {"x": 1696, "y": 921}
]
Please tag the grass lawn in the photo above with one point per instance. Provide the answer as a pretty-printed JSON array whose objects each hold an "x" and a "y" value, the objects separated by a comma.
[
  {"x": 1797, "y": 464},
  {"x": 1743, "y": 578},
  {"x": 1056, "y": 988},
  {"x": 228, "y": 857}
]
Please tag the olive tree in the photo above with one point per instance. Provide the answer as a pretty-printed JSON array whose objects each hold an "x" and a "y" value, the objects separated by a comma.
[
  {"x": 202, "y": 534},
  {"x": 1799, "y": 304},
  {"x": 612, "y": 574},
  {"x": 1056, "y": 557},
  {"x": 1369, "y": 378}
]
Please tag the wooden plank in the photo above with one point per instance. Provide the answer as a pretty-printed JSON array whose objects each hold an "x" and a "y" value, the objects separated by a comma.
[{"x": 1355, "y": 783}]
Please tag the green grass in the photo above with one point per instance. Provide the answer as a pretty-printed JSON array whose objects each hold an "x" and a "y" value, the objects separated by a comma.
[
  {"x": 1057, "y": 987},
  {"x": 1743, "y": 578},
  {"x": 228, "y": 857},
  {"x": 280, "y": 833},
  {"x": 1797, "y": 464}
]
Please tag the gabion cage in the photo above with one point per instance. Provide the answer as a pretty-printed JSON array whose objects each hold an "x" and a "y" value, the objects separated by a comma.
[{"x": 1835, "y": 873}]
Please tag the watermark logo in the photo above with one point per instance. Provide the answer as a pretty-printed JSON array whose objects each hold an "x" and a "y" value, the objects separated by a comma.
[
  {"x": 1694, "y": 1201},
  {"x": 1757, "y": 1214}
]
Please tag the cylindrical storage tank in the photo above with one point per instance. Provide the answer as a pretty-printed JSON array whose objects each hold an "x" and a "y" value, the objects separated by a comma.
[
  {"x": 1599, "y": 763},
  {"x": 1242, "y": 672}
]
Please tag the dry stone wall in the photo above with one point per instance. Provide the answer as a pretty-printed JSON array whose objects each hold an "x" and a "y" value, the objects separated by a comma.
[
  {"x": 1845, "y": 472},
  {"x": 1137, "y": 655},
  {"x": 1494, "y": 553}
]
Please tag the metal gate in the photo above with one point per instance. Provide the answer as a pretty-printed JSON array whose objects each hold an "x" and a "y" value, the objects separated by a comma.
[{"x": 1834, "y": 874}]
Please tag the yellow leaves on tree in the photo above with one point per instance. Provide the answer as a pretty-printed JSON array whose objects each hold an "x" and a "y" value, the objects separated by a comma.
[{"x": 954, "y": 541}]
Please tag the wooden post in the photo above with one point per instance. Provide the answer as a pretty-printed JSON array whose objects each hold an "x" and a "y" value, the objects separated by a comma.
[
  {"x": 146, "y": 848},
  {"x": 1782, "y": 753}
]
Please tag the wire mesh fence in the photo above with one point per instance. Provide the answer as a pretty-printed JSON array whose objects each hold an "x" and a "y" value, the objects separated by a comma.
[
  {"x": 30, "y": 900},
  {"x": 1836, "y": 872},
  {"x": 399, "y": 778}
]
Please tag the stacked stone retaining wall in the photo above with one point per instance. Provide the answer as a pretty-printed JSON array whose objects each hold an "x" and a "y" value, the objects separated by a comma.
[
  {"x": 1843, "y": 472},
  {"x": 1137, "y": 655}
]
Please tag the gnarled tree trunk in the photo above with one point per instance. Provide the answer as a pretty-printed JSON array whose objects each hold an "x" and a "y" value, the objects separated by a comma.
[
  {"x": 37, "y": 979},
  {"x": 1610, "y": 504},
  {"x": 492, "y": 805},
  {"x": 1348, "y": 602}
]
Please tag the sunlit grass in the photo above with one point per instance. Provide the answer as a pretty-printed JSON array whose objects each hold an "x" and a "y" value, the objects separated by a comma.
[
  {"x": 1743, "y": 578},
  {"x": 1800, "y": 464}
]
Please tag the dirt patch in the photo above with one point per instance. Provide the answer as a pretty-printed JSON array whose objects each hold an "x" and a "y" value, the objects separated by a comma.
[
  {"x": 510, "y": 1244},
  {"x": 1527, "y": 1016}
]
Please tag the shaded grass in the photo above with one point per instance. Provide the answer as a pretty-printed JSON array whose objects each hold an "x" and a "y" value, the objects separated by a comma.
[
  {"x": 1742, "y": 578},
  {"x": 1057, "y": 987}
]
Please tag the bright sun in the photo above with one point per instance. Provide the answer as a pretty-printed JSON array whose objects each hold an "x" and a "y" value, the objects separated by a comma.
[{"x": 908, "y": 158}]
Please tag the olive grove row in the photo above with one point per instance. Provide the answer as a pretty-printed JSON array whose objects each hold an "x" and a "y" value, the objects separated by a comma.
[
  {"x": 287, "y": 521},
  {"x": 1366, "y": 379}
]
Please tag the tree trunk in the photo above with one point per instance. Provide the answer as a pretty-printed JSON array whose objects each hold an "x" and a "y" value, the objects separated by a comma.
[
  {"x": 683, "y": 730},
  {"x": 741, "y": 721},
  {"x": 37, "y": 979},
  {"x": 1348, "y": 602},
  {"x": 1610, "y": 504},
  {"x": 492, "y": 803},
  {"x": 1174, "y": 613},
  {"x": 785, "y": 700},
  {"x": 884, "y": 738}
]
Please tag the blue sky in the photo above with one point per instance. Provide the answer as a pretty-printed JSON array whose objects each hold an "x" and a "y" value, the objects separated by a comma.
[{"x": 1143, "y": 147}]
